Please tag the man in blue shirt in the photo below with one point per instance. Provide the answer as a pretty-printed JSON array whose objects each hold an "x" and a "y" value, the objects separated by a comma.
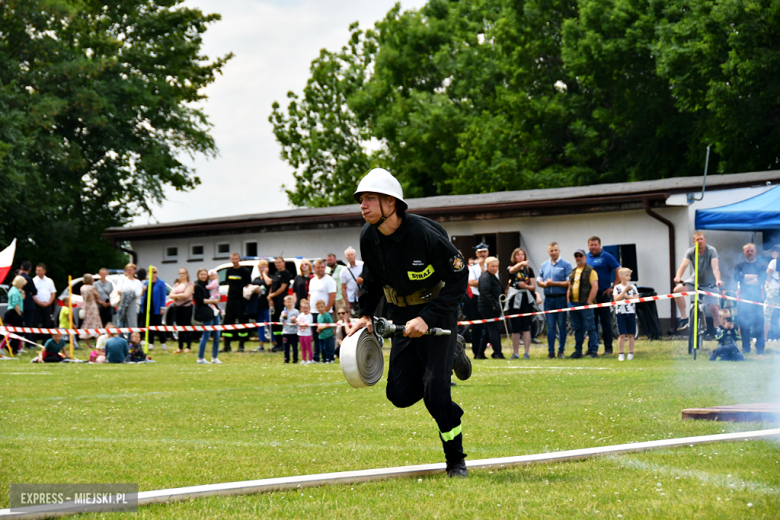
[
  {"x": 606, "y": 267},
  {"x": 554, "y": 278}
]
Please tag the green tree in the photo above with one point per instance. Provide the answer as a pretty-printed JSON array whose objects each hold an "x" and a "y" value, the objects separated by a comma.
[
  {"x": 321, "y": 137},
  {"x": 490, "y": 95},
  {"x": 722, "y": 59},
  {"x": 625, "y": 126},
  {"x": 97, "y": 105}
]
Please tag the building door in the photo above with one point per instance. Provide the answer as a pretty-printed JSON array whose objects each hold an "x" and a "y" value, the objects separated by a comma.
[
  {"x": 465, "y": 244},
  {"x": 500, "y": 245}
]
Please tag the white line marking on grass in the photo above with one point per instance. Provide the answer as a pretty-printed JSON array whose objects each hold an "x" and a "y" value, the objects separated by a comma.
[
  {"x": 553, "y": 368},
  {"x": 162, "y": 496},
  {"x": 252, "y": 389},
  {"x": 29, "y": 373},
  {"x": 198, "y": 442},
  {"x": 727, "y": 482}
]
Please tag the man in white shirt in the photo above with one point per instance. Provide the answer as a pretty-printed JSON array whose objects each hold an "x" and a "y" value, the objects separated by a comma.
[
  {"x": 44, "y": 299},
  {"x": 351, "y": 279},
  {"x": 772, "y": 292},
  {"x": 472, "y": 312},
  {"x": 321, "y": 288},
  {"x": 334, "y": 269}
]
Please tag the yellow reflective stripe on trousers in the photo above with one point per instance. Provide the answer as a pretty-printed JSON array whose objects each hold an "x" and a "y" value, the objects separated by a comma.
[{"x": 451, "y": 434}]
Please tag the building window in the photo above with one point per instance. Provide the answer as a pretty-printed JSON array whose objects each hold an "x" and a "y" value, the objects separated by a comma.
[
  {"x": 250, "y": 249},
  {"x": 196, "y": 252},
  {"x": 222, "y": 251},
  {"x": 625, "y": 254},
  {"x": 171, "y": 253}
]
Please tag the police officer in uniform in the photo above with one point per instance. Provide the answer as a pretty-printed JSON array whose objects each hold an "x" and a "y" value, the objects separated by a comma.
[
  {"x": 237, "y": 278},
  {"x": 410, "y": 261}
]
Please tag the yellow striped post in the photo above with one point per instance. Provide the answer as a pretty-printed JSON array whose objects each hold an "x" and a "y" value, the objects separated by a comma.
[
  {"x": 696, "y": 300},
  {"x": 70, "y": 308},
  {"x": 7, "y": 341},
  {"x": 148, "y": 306}
]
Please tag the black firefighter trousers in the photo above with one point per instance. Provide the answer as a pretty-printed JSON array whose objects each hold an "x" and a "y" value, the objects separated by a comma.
[
  {"x": 234, "y": 313},
  {"x": 421, "y": 368}
]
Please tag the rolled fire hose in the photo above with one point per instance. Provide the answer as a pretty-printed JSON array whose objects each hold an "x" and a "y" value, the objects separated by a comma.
[{"x": 362, "y": 361}]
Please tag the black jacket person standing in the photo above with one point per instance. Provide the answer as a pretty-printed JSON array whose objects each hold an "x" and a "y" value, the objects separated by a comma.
[
  {"x": 412, "y": 263},
  {"x": 490, "y": 292},
  {"x": 237, "y": 278}
]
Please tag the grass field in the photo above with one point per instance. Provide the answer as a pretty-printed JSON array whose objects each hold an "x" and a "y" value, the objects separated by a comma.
[{"x": 176, "y": 423}]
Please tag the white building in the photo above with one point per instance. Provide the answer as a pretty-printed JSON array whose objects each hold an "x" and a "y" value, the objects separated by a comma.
[{"x": 651, "y": 221}]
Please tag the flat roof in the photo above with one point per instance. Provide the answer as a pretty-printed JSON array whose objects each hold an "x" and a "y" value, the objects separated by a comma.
[{"x": 605, "y": 197}]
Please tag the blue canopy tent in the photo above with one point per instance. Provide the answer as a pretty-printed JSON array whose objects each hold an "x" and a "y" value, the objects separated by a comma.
[{"x": 754, "y": 214}]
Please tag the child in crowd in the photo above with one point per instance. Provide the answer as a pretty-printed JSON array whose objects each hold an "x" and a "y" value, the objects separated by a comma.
[
  {"x": 64, "y": 320},
  {"x": 626, "y": 313},
  {"x": 213, "y": 287},
  {"x": 305, "y": 320},
  {"x": 289, "y": 317},
  {"x": 341, "y": 332},
  {"x": 727, "y": 337},
  {"x": 327, "y": 341},
  {"x": 53, "y": 351},
  {"x": 116, "y": 348},
  {"x": 99, "y": 354},
  {"x": 136, "y": 347}
]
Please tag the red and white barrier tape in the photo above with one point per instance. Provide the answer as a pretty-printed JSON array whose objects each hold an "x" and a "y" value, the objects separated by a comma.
[
  {"x": 244, "y": 326},
  {"x": 11, "y": 335},
  {"x": 163, "y": 328},
  {"x": 723, "y": 296},
  {"x": 581, "y": 307},
  {"x": 614, "y": 304}
]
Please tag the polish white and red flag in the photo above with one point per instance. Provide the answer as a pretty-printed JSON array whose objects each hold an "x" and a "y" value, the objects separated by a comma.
[{"x": 7, "y": 259}]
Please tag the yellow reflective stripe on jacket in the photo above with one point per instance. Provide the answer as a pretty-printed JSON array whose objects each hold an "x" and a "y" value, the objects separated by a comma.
[
  {"x": 451, "y": 434},
  {"x": 422, "y": 275}
]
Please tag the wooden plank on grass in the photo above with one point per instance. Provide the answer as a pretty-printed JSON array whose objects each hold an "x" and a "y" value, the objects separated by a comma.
[{"x": 757, "y": 412}]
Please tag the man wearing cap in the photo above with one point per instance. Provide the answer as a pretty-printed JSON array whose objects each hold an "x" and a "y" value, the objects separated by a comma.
[
  {"x": 410, "y": 261},
  {"x": 606, "y": 266},
  {"x": 472, "y": 304},
  {"x": 583, "y": 288},
  {"x": 554, "y": 279}
]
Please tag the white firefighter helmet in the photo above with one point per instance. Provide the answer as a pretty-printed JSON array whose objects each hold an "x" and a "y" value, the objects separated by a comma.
[{"x": 381, "y": 181}]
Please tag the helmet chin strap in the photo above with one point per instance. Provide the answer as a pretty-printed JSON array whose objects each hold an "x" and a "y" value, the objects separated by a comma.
[{"x": 382, "y": 212}]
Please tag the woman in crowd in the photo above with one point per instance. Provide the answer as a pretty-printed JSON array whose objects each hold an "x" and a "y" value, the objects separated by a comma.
[
  {"x": 520, "y": 299},
  {"x": 14, "y": 316},
  {"x": 301, "y": 283},
  {"x": 490, "y": 291},
  {"x": 104, "y": 287},
  {"x": 204, "y": 312},
  {"x": 257, "y": 307},
  {"x": 181, "y": 294},
  {"x": 130, "y": 291},
  {"x": 90, "y": 299}
]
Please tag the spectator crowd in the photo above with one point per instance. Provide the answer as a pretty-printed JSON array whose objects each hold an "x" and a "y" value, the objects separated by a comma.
[
  {"x": 325, "y": 292},
  {"x": 597, "y": 277}
]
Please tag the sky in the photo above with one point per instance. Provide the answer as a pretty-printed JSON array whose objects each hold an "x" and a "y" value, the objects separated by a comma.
[{"x": 274, "y": 42}]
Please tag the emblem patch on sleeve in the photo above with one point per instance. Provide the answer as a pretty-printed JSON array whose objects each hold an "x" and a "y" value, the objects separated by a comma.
[{"x": 457, "y": 263}]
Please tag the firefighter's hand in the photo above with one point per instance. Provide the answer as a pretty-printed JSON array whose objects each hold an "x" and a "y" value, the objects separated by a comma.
[
  {"x": 415, "y": 328},
  {"x": 364, "y": 321}
]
